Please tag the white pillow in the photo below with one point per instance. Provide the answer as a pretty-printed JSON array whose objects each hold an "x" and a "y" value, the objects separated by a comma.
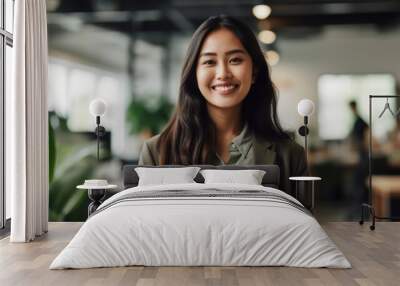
[
  {"x": 248, "y": 177},
  {"x": 163, "y": 176}
]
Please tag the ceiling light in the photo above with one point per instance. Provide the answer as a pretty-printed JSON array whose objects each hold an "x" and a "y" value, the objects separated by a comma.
[
  {"x": 261, "y": 11},
  {"x": 267, "y": 37},
  {"x": 272, "y": 57}
]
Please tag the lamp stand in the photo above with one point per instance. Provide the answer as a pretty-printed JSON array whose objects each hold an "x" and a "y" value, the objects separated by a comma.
[
  {"x": 305, "y": 136},
  {"x": 99, "y": 131},
  {"x": 303, "y": 131}
]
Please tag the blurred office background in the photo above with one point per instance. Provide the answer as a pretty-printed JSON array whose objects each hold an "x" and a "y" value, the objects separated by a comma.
[{"x": 129, "y": 53}]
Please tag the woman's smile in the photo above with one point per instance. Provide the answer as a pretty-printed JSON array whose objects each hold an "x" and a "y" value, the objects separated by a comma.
[{"x": 225, "y": 88}]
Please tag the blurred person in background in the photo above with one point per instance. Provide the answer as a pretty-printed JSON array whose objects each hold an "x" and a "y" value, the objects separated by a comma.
[
  {"x": 359, "y": 140},
  {"x": 358, "y": 132},
  {"x": 393, "y": 150}
]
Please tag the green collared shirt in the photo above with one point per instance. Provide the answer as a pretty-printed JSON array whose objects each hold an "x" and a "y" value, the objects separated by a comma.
[{"x": 241, "y": 150}]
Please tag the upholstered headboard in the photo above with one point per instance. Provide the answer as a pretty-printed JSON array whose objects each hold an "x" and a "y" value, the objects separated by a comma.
[{"x": 270, "y": 179}]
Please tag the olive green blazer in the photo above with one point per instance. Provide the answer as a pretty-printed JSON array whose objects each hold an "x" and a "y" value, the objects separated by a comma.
[{"x": 288, "y": 155}]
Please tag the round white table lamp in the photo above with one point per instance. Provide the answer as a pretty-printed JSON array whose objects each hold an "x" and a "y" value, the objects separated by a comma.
[
  {"x": 305, "y": 108},
  {"x": 97, "y": 107}
]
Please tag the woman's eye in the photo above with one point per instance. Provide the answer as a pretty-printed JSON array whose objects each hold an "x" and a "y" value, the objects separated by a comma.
[
  {"x": 236, "y": 60},
  {"x": 208, "y": 62}
]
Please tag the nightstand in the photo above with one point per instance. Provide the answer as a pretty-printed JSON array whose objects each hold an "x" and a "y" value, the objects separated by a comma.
[
  {"x": 97, "y": 190},
  {"x": 305, "y": 185}
]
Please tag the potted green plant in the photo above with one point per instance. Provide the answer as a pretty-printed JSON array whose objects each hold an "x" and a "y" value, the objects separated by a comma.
[{"x": 147, "y": 116}]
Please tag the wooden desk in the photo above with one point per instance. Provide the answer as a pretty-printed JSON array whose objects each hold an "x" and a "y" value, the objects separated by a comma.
[{"x": 383, "y": 189}]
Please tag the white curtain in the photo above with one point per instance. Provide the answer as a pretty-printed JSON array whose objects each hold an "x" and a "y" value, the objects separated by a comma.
[{"x": 27, "y": 123}]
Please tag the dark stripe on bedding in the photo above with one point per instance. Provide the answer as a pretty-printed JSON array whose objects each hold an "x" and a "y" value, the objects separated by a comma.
[{"x": 205, "y": 194}]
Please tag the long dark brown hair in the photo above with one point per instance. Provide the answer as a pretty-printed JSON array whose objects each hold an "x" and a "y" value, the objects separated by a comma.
[{"x": 189, "y": 136}]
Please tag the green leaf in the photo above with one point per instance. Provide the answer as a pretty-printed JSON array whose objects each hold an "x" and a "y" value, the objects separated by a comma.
[
  {"x": 52, "y": 152},
  {"x": 148, "y": 114}
]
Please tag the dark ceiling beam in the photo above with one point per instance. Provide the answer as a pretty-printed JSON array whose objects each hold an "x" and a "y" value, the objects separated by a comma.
[
  {"x": 110, "y": 16},
  {"x": 184, "y": 15},
  {"x": 387, "y": 20},
  {"x": 272, "y": 3},
  {"x": 76, "y": 6},
  {"x": 335, "y": 8},
  {"x": 298, "y": 9},
  {"x": 212, "y": 3}
]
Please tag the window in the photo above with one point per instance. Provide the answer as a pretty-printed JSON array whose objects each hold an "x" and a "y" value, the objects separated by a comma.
[
  {"x": 335, "y": 91},
  {"x": 6, "y": 43}
]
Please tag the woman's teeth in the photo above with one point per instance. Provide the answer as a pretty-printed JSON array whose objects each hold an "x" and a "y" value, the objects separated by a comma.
[{"x": 227, "y": 87}]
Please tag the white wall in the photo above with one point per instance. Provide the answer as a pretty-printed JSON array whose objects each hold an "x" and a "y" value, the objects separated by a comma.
[
  {"x": 339, "y": 50},
  {"x": 178, "y": 51}
]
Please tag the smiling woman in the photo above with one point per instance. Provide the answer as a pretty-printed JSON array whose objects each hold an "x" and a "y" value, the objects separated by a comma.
[
  {"x": 224, "y": 76},
  {"x": 226, "y": 111}
]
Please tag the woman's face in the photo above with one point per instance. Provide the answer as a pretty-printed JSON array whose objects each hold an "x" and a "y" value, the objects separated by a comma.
[{"x": 224, "y": 70}]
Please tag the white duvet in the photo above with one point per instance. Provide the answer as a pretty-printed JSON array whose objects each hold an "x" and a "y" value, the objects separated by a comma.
[{"x": 183, "y": 231}]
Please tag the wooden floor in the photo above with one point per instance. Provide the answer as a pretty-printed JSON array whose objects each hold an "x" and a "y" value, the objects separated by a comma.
[{"x": 375, "y": 256}]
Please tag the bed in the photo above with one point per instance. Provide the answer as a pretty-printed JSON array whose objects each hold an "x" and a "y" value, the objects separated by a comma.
[{"x": 201, "y": 224}]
